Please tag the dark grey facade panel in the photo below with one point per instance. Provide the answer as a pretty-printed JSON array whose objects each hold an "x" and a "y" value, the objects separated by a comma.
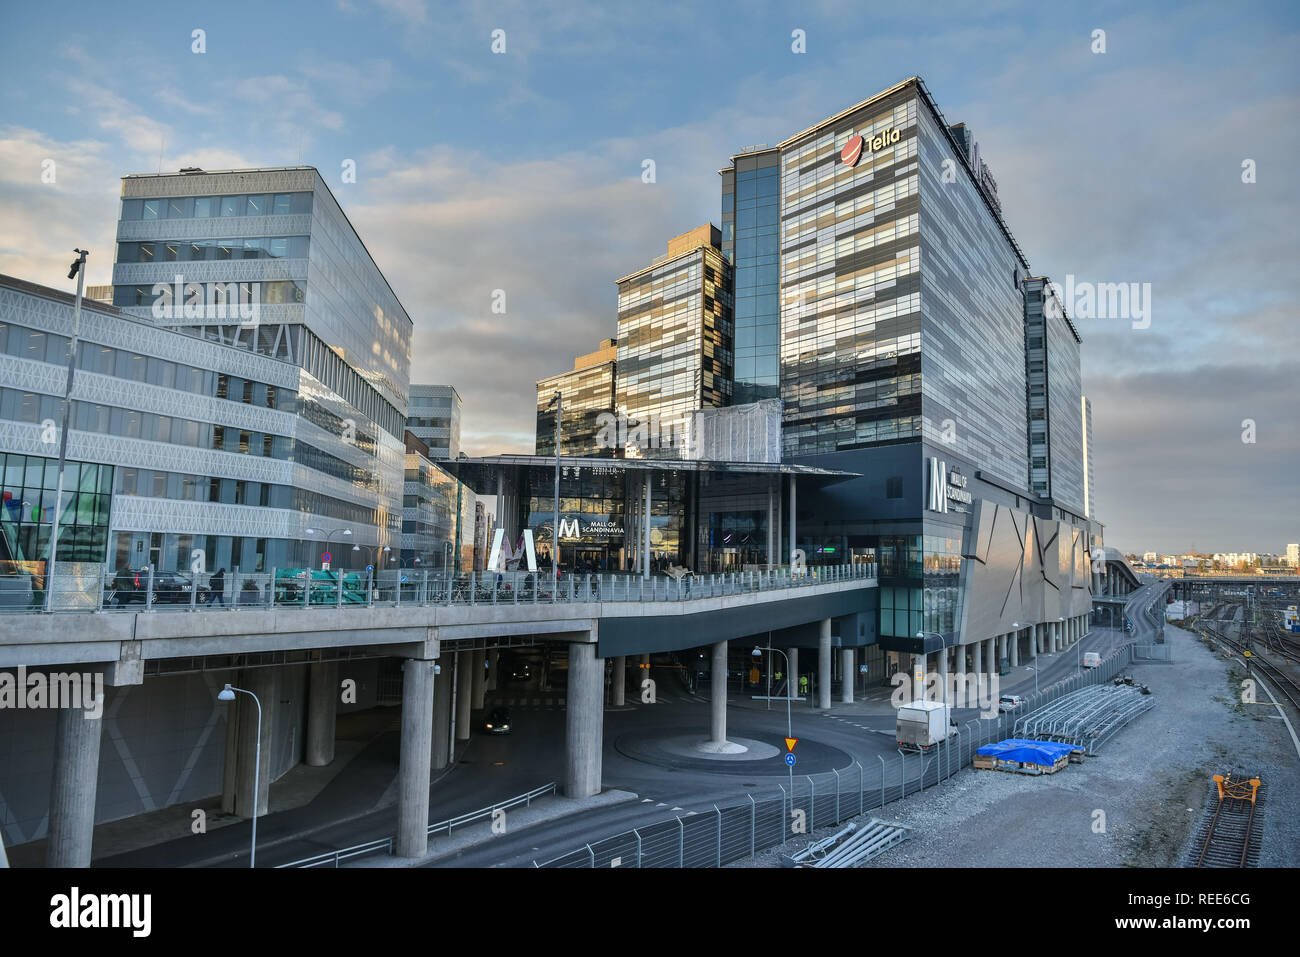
[{"x": 658, "y": 633}]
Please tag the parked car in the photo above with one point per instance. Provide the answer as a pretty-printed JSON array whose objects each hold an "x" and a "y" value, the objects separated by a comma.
[
  {"x": 498, "y": 721},
  {"x": 1009, "y": 702},
  {"x": 131, "y": 587}
]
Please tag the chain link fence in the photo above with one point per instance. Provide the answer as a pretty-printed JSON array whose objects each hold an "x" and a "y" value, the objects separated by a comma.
[{"x": 796, "y": 808}]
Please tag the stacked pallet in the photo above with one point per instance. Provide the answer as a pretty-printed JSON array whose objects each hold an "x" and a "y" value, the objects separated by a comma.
[{"x": 1026, "y": 756}]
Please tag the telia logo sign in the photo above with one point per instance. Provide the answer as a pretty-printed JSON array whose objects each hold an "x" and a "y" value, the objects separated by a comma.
[{"x": 852, "y": 151}]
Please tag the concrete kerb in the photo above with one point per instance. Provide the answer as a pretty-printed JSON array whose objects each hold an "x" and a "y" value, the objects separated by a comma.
[{"x": 542, "y": 811}]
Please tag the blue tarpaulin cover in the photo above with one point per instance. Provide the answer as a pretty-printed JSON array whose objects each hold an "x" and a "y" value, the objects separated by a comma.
[{"x": 1027, "y": 751}]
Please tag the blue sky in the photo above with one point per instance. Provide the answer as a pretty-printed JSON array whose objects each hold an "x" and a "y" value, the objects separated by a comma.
[{"x": 521, "y": 171}]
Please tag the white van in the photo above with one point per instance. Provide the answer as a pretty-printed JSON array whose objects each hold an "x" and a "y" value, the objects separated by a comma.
[{"x": 1091, "y": 659}]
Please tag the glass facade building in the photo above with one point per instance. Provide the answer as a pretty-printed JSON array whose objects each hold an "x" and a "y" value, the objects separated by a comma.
[
  {"x": 276, "y": 239},
  {"x": 751, "y": 237},
  {"x": 1056, "y": 431},
  {"x": 903, "y": 334},
  {"x": 433, "y": 416},
  {"x": 588, "y": 393},
  {"x": 674, "y": 342},
  {"x": 438, "y": 515}
]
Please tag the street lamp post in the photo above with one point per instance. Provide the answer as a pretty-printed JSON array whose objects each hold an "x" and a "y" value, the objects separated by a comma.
[
  {"x": 943, "y": 650},
  {"x": 374, "y": 552},
  {"x": 228, "y": 694},
  {"x": 77, "y": 270},
  {"x": 337, "y": 531},
  {"x": 789, "y": 728}
]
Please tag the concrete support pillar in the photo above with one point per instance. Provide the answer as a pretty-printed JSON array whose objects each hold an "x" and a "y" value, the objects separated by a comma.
[
  {"x": 793, "y": 539},
  {"x": 847, "y": 671},
  {"x": 480, "y": 680},
  {"x": 412, "y": 839},
  {"x": 978, "y": 663},
  {"x": 584, "y": 721},
  {"x": 242, "y": 754},
  {"x": 620, "y": 681},
  {"x": 494, "y": 661},
  {"x": 771, "y": 524},
  {"x": 823, "y": 643},
  {"x": 73, "y": 789},
  {"x": 718, "y": 694},
  {"x": 322, "y": 710},
  {"x": 440, "y": 749},
  {"x": 792, "y": 680},
  {"x": 991, "y": 653},
  {"x": 1014, "y": 638},
  {"x": 464, "y": 692},
  {"x": 1032, "y": 647}
]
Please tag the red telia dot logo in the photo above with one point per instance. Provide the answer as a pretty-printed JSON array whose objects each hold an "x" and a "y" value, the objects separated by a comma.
[{"x": 852, "y": 151}]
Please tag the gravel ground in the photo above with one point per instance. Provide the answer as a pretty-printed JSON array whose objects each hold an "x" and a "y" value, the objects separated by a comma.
[{"x": 1150, "y": 784}]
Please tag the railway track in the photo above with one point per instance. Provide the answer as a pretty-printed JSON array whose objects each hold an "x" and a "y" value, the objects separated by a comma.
[
  {"x": 1229, "y": 837},
  {"x": 1280, "y": 680}
]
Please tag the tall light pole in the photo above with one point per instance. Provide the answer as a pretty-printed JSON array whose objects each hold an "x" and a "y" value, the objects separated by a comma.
[
  {"x": 943, "y": 650},
  {"x": 337, "y": 531},
  {"x": 228, "y": 694},
  {"x": 557, "y": 400},
  {"x": 78, "y": 271}
]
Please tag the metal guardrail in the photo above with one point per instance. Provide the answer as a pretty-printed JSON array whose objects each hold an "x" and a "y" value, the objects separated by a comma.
[
  {"x": 332, "y": 858},
  {"x": 526, "y": 799},
  {"x": 149, "y": 590},
  {"x": 726, "y": 834}
]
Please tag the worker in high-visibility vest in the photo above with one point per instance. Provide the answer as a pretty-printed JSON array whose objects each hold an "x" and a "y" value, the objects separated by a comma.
[{"x": 803, "y": 684}]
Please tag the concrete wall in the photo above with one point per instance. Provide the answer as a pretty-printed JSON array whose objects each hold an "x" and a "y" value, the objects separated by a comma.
[{"x": 164, "y": 743}]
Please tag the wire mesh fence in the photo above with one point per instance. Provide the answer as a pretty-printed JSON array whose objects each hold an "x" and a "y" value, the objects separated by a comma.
[{"x": 797, "y": 807}]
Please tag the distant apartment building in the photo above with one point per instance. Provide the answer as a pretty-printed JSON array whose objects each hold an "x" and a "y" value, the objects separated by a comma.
[
  {"x": 433, "y": 416},
  {"x": 588, "y": 393},
  {"x": 1293, "y": 555}
]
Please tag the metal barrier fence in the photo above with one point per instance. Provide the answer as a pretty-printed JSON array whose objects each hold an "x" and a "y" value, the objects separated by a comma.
[
  {"x": 385, "y": 845},
  {"x": 96, "y": 588},
  {"x": 726, "y": 834}
]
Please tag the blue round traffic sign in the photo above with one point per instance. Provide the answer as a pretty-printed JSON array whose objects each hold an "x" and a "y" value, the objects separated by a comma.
[
  {"x": 326, "y": 557},
  {"x": 789, "y": 759}
]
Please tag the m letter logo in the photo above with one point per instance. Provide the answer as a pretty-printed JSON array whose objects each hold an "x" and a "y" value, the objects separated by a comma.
[
  {"x": 938, "y": 493},
  {"x": 569, "y": 528}
]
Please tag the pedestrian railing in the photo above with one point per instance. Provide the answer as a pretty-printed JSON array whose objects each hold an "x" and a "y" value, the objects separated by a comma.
[
  {"x": 793, "y": 809},
  {"x": 385, "y": 846},
  {"x": 97, "y": 588}
]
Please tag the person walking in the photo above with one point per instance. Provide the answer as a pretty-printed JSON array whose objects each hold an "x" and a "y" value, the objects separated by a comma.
[{"x": 217, "y": 587}]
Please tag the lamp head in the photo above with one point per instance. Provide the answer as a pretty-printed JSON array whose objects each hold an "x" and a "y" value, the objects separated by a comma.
[{"x": 225, "y": 694}]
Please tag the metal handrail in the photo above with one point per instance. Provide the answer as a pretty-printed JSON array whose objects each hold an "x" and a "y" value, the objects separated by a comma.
[
  {"x": 386, "y": 844},
  {"x": 308, "y": 589}
]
